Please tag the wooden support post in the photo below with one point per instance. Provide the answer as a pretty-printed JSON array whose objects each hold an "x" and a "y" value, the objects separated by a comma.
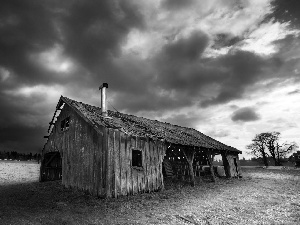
[
  {"x": 210, "y": 159},
  {"x": 189, "y": 155},
  {"x": 226, "y": 165},
  {"x": 41, "y": 178},
  {"x": 197, "y": 167}
]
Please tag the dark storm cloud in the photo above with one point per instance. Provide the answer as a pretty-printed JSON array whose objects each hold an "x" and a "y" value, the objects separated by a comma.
[
  {"x": 186, "y": 49},
  {"x": 225, "y": 40},
  {"x": 287, "y": 11},
  {"x": 245, "y": 114},
  {"x": 94, "y": 30},
  {"x": 242, "y": 69},
  {"x": 23, "y": 122},
  {"x": 22, "y": 138},
  {"x": 90, "y": 33},
  {"x": 178, "y": 75},
  {"x": 289, "y": 53},
  {"x": 176, "y": 4},
  {"x": 179, "y": 65},
  {"x": 231, "y": 74},
  {"x": 165, "y": 82},
  {"x": 25, "y": 28}
]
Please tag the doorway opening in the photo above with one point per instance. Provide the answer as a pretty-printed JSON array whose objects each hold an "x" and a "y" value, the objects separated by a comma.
[{"x": 51, "y": 167}]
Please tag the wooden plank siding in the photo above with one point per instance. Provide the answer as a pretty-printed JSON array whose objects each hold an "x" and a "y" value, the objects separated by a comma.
[
  {"x": 81, "y": 147},
  {"x": 129, "y": 180},
  {"x": 123, "y": 160},
  {"x": 99, "y": 161}
]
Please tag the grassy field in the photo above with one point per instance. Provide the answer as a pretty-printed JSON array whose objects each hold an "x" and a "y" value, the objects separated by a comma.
[
  {"x": 260, "y": 197},
  {"x": 15, "y": 172}
]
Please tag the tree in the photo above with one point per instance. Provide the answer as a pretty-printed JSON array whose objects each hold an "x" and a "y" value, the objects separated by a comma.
[
  {"x": 29, "y": 156},
  {"x": 277, "y": 150},
  {"x": 265, "y": 144},
  {"x": 258, "y": 148}
]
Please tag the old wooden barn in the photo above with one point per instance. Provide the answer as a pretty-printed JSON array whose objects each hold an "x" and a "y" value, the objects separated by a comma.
[{"x": 110, "y": 154}]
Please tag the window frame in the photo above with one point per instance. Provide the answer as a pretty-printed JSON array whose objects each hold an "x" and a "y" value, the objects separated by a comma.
[
  {"x": 137, "y": 159},
  {"x": 65, "y": 124}
]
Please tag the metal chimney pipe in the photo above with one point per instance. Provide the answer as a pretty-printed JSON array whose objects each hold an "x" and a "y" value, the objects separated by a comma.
[{"x": 103, "y": 99}]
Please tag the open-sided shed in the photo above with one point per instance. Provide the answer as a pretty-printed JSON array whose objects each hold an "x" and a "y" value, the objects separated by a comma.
[
  {"x": 296, "y": 156},
  {"x": 110, "y": 154}
]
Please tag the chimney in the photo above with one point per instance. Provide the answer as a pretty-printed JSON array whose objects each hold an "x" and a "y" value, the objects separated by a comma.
[{"x": 103, "y": 99}]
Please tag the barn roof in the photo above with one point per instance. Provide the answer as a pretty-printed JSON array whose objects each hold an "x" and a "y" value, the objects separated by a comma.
[{"x": 143, "y": 127}]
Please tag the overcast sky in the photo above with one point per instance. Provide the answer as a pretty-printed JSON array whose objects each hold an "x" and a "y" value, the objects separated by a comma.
[{"x": 229, "y": 69}]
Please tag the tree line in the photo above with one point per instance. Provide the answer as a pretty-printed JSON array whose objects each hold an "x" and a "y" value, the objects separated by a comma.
[
  {"x": 268, "y": 144},
  {"x": 19, "y": 156}
]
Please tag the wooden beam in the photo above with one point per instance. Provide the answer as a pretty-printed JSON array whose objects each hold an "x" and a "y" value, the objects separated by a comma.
[
  {"x": 197, "y": 150},
  {"x": 226, "y": 165}
]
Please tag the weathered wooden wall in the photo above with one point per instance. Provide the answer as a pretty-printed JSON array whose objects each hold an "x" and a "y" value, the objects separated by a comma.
[
  {"x": 126, "y": 179},
  {"x": 100, "y": 162},
  {"x": 81, "y": 148}
]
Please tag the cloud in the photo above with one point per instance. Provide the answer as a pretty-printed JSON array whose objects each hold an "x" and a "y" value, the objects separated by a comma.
[
  {"x": 44, "y": 46},
  {"x": 184, "y": 120},
  {"x": 177, "y": 4},
  {"x": 245, "y": 114},
  {"x": 54, "y": 61},
  {"x": 240, "y": 70},
  {"x": 233, "y": 107},
  {"x": 218, "y": 133},
  {"x": 222, "y": 40},
  {"x": 179, "y": 71},
  {"x": 23, "y": 120},
  {"x": 157, "y": 57},
  {"x": 25, "y": 27},
  {"x": 287, "y": 11},
  {"x": 297, "y": 91},
  {"x": 261, "y": 40},
  {"x": 281, "y": 124},
  {"x": 186, "y": 49},
  {"x": 93, "y": 31},
  {"x": 165, "y": 77}
]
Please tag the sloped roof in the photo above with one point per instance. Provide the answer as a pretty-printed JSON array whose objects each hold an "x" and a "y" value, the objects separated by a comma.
[{"x": 143, "y": 127}]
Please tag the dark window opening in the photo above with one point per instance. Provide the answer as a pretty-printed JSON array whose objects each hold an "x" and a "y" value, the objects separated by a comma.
[
  {"x": 62, "y": 125},
  {"x": 137, "y": 158},
  {"x": 65, "y": 124}
]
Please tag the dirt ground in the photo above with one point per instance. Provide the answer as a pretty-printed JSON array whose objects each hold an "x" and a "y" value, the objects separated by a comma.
[{"x": 260, "y": 197}]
